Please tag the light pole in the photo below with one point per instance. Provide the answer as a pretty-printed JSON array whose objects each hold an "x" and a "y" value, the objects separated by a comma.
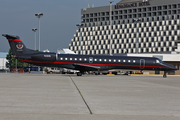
[
  {"x": 34, "y": 30},
  {"x": 39, "y": 15},
  {"x": 79, "y": 26},
  {"x": 110, "y": 46},
  {"x": 136, "y": 21}
]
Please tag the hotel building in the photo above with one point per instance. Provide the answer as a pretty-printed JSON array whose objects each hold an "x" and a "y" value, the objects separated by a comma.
[{"x": 145, "y": 25}]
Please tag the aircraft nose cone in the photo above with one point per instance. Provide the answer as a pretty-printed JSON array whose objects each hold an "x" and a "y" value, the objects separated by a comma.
[{"x": 173, "y": 68}]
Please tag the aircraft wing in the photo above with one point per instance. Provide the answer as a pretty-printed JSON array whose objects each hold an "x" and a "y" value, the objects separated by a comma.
[{"x": 86, "y": 67}]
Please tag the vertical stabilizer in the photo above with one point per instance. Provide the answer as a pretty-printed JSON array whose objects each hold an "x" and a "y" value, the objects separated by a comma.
[{"x": 17, "y": 46}]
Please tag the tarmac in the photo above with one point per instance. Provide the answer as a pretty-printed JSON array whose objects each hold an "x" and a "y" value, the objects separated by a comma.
[{"x": 70, "y": 97}]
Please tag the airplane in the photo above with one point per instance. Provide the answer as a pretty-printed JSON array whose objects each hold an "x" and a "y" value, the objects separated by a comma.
[{"x": 84, "y": 63}]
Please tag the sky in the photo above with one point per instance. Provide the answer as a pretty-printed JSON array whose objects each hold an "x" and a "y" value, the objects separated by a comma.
[{"x": 58, "y": 24}]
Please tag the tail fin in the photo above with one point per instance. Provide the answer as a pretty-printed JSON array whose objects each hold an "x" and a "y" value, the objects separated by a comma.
[{"x": 17, "y": 46}]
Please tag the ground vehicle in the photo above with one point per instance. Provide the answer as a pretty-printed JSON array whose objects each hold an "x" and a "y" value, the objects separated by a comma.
[
  {"x": 32, "y": 68},
  {"x": 69, "y": 71},
  {"x": 50, "y": 70}
]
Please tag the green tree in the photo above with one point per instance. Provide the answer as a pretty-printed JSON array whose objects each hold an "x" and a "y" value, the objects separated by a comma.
[{"x": 12, "y": 61}]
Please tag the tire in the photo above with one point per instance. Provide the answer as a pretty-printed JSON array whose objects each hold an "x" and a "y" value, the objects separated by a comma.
[{"x": 79, "y": 74}]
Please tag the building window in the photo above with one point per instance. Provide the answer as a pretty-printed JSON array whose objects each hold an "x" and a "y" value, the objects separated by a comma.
[
  {"x": 175, "y": 33},
  {"x": 165, "y": 7},
  {"x": 150, "y": 34},
  {"x": 163, "y": 18},
  {"x": 178, "y": 16},
  {"x": 169, "y": 32},
  {"x": 154, "y": 8},
  {"x": 161, "y": 38},
  {"x": 164, "y": 33},
  {"x": 152, "y": 39},
  {"x": 159, "y": 7},
  {"x": 169, "y": 22},
  {"x": 149, "y": 44},
  {"x": 157, "y": 28},
  {"x": 152, "y": 18},
  {"x": 170, "y": 43},
  {"x": 164, "y": 43}
]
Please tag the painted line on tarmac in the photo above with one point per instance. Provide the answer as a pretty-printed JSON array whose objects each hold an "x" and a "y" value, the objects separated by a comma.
[
  {"x": 81, "y": 95},
  {"x": 154, "y": 75}
]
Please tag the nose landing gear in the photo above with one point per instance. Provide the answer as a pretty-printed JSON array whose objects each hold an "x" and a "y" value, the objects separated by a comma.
[{"x": 164, "y": 75}]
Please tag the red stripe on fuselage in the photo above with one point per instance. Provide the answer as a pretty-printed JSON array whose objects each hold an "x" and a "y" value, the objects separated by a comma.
[
  {"x": 16, "y": 40},
  {"x": 47, "y": 62}
]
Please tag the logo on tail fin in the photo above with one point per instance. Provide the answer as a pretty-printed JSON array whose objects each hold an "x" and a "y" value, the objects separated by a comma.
[{"x": 19, "y": 47}]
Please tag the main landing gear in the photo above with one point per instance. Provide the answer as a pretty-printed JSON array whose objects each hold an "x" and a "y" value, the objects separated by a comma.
[
  {"x": 80, "y": 73},
  {"x": 164, "y": 75}
]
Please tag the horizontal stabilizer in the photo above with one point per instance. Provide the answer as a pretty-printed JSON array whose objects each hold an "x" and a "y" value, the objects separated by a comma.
[{"x": 10, "y": 36}]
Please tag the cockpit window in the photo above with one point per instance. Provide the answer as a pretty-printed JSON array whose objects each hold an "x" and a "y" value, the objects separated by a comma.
[{"x": 157, "y": 61}]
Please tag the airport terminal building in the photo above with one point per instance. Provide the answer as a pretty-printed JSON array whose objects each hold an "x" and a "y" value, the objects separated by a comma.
[{"x": 149, "y": 25}]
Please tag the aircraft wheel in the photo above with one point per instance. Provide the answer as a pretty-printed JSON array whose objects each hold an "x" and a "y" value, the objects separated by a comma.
[
  {"x": 97, "y": 73},
  {"x": 79, "y": 74},
  {"x": 164, "y": 74}
]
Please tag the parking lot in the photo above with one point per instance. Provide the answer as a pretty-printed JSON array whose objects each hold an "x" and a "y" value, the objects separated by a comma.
[{"x": 42, "y": 96}]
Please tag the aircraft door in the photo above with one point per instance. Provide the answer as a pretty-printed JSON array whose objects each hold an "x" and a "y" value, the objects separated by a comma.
[
  {"x": 90, "y": 59},
  {"x": 142, "y": 63}
]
